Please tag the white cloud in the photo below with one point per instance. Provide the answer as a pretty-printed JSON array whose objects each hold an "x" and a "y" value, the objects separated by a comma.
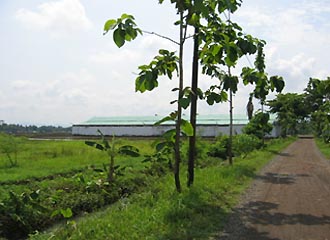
[
  {"x": 58, "y": 17},
  {"x": 22, "y": 84}
]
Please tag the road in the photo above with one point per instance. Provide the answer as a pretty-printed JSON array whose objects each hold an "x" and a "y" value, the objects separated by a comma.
[{"x": 289, "y": 200}]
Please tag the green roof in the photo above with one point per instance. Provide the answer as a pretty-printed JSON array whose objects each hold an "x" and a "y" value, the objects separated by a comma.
[{"x": 216, "y": 119}]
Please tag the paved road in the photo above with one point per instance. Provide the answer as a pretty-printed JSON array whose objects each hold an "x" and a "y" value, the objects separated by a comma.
[{"x": 289, "y": 200}]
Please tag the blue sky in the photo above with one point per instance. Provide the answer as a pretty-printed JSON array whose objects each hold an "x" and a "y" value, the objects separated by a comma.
[{"x": 57, "y": 68}]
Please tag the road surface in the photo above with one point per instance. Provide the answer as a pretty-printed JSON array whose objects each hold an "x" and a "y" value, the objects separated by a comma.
[{"x": 289, "y": 200}]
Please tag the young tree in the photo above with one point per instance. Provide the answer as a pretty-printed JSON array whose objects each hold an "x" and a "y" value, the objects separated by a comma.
[
  {"x": 166, "y": 63},
  {"x": 224, "y": 44},
  {"x": 112, "y": 150}
]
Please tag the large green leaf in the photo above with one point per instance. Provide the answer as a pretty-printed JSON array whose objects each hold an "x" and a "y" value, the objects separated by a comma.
[
  {"x": 278, "y": 83},
  {"x": 109, "y": 25},
  {"x": 119, "y": 37},
  {"x": 170, "y": 135},
  {"x": 187, "y": 128},
  {"x": 184, "y": 102},
  {"x": 95, "y": 144},
  {"x": 129, "y": 150},
  {"x": 66, "y": 213}
]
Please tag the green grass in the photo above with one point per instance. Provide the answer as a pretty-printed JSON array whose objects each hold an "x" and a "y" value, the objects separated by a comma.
[
  {"x": 44, "y": 158},
  {"x": 324, "y": 147},
  {"x": 160, "y": 212}
]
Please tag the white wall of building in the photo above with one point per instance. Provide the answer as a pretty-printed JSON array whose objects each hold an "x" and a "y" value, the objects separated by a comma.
[{"x": 152, "y": 130}]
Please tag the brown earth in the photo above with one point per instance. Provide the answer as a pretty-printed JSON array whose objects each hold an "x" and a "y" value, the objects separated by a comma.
[{"x": 289, "y": 200}]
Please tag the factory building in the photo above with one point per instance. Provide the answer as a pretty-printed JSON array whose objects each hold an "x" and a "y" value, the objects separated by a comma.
[{"x": 207, "y": 126}]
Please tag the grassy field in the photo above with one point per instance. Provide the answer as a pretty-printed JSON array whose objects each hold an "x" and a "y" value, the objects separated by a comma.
[
  {"x": 41, "y": 158},
  {"x": 158, "y": 212}
]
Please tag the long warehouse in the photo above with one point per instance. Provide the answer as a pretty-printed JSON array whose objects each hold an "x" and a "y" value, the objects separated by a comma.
[{"x": 143, "y": 126}]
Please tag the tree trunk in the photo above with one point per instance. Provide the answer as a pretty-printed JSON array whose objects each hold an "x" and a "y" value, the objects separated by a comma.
[
  {"x": 179, "y": 111},
  {"x": 230, "y": 142},
  {"x": 193, "y": 111}
]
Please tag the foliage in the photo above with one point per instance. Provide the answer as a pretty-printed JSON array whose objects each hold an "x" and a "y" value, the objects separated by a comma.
[
  {"x": 321, "y": 119},
  {"x": 317, "y": 93},
  {"x": 112, "y": 151},
  {"x": 126, "y": 29},
  {"x": 291, "y": 110},
  {"x": 259, "y": 125},
  {"x": 219, "y": 149},
  {"x": 161, "y": 159},
  {"x": 9, "y": 146},
  {"x": 21, "y": 214},
  {"x": 318, "y": 103},
  {"x": 243, "y": 144},
  {"x": 258, "y": 76}
]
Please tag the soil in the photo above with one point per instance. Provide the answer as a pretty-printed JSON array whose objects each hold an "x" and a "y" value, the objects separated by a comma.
[{"x": 289, "y": 199}]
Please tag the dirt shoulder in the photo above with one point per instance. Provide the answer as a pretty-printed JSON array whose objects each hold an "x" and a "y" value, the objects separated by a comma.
[{"x": 290, "y": 199}]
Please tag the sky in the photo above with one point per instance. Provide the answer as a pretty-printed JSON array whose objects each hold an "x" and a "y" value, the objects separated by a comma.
[{"x": 57, "y": 68}]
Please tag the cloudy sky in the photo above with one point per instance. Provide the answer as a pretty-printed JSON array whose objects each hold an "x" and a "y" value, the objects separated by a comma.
[{"x": 57, "y": 68}]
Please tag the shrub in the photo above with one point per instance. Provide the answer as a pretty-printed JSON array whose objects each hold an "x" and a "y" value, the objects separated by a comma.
[
  {"x": 219, "y": 149},
  {"x": 21, "y": 214},
  {"x": 259, "y": 125},
  {"x": 243, "y": 144}
]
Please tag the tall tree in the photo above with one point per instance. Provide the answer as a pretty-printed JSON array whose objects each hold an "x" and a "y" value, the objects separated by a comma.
[
  {"x": 290, "y": 109},
  {"x": 317, "y": 100}
]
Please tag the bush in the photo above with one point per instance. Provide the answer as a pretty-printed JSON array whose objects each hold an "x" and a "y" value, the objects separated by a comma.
[
  {"x": 243, "y": 144},
  {"x": 219, "y": 149},
  {"x": 21, "y": 214},
  {"x": 259, "y": 125}
]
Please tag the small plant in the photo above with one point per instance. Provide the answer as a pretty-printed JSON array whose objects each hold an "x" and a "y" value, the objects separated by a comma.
[
  {"x": 9, "y": 147},
  {"x": 112, "y": 151}
]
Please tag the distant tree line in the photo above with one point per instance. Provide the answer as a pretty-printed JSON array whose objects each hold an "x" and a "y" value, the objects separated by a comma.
[{"x": 31, "y": 129}]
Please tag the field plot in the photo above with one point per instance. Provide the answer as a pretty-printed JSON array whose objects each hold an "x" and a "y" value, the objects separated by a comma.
[
  {"x": 65, "y": 182},
  {"x": 59, "y": 178}
]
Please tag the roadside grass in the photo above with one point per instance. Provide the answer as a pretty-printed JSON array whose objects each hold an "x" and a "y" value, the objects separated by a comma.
[
  {"x": 324, "y": 147},
  {"x": 159, "y": 212},
  {"x": 37, "y": 159}
]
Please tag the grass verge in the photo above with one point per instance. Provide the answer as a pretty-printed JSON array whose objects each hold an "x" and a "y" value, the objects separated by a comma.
[
  {"x": 324, "y": 147},
  {"x": 160, "y": 213}
]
